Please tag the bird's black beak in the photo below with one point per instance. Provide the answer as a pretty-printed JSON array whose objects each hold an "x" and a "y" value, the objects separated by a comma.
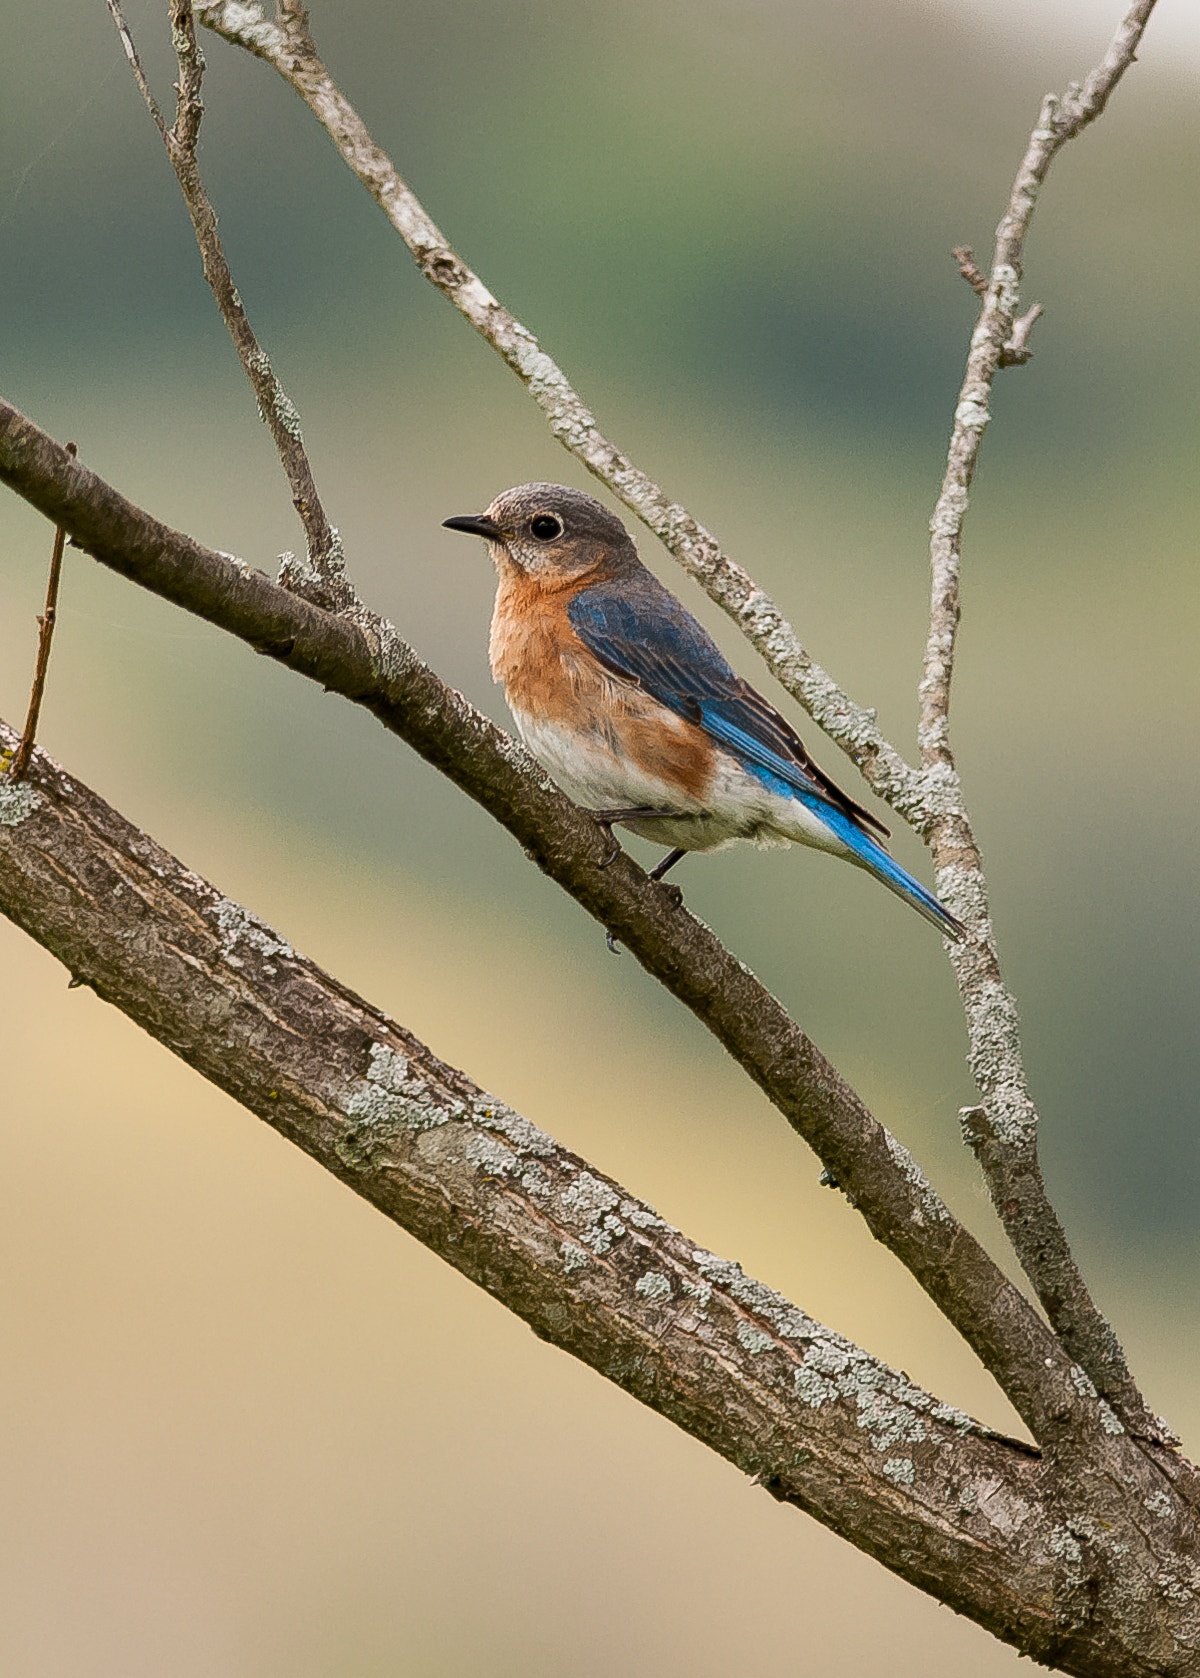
[{"x": 474, "y": 524}]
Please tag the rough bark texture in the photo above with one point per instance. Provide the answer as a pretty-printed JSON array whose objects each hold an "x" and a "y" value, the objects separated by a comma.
[
  {"x": 1083, "y": 1570},
  {"x": 1082, "y": 1553}
]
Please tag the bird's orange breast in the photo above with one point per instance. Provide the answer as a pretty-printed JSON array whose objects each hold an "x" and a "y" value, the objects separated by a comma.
[
  {"x": 530, "y": 643},
  {"x": 550, "y": 677}
]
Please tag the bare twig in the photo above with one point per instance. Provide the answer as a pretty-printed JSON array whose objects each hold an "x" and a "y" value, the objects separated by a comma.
[
  {"x": 20, "y": 763},
  {"x": 1058, "y": 122},
  {"x": 274, "y": 405},
  {"x": 1003, "y": 1133},
  {"x": 1016, "y": 351}
]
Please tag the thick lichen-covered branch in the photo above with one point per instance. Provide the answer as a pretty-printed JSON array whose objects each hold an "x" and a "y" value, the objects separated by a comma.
[{"x": 1080, "y": 1570}]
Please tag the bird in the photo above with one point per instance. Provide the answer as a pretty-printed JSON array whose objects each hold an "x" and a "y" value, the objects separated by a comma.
[{"x": 633, "y": 710}]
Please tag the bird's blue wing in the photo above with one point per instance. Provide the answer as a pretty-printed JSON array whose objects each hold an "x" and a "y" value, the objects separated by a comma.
[
  {"x": 638, "y": 630},
  {"x": 641, "y": 632}
]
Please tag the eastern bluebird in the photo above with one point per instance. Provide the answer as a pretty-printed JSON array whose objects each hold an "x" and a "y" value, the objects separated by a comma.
[{"x": 632, "y": 708}]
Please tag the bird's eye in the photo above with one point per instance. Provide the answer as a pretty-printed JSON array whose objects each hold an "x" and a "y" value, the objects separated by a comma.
[{"x": 546, "y": 527}]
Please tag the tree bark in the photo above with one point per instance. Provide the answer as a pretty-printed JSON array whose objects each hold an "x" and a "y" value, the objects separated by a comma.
[{"x": 1069, "y": 1567}]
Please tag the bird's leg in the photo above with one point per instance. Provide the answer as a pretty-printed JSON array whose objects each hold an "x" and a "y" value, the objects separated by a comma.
[
  {"x": 657, "y": 872},
  {"x": 604, "y": 820},
  {"x": 669, "y": 861}
]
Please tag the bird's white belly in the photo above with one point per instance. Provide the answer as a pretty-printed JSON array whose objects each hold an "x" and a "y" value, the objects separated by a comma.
[
  {"x": 589, "y": 771},
  {"x": 735, "y": 804}
]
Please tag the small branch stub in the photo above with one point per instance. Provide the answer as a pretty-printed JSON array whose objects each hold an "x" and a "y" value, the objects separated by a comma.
[
  {"x": 970, "y": 269},
  {"x": 1016, "y": 351}
]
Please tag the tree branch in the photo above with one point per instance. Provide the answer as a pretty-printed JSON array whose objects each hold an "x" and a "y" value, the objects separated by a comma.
[
  {"x": 1003, "y": 1131},
  {"x": 367, "y": 661},
  {"x": 275, "y": 407},
  {"x": 971, "y": 1517},
  {"x": 1058, "y": 122}
]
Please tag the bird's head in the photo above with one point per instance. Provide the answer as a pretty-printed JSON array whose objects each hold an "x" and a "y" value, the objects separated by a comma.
[{"x": 551, "y": 533}]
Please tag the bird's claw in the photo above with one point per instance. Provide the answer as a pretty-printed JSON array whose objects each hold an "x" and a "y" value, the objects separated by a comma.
[
  {"x": 604, "y": 820},
  {"x": 614, "y": 845}
]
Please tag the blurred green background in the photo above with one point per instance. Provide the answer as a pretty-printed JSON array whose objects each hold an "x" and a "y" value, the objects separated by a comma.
[{"x": 252, "y": 1429}]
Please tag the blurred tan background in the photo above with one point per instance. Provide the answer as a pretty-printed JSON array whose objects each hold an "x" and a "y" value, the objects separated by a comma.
[{"x": 250, "y": 1428}]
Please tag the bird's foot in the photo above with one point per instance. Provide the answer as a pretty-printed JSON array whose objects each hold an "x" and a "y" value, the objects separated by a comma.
[{"x": 605, "y": 819}]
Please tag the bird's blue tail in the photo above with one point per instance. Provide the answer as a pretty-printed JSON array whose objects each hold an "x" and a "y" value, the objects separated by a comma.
[{"x": 872, "y": 856}]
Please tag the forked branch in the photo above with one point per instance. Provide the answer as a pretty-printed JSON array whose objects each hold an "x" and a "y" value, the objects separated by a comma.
[{"x": 1003, "y": 1130}]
